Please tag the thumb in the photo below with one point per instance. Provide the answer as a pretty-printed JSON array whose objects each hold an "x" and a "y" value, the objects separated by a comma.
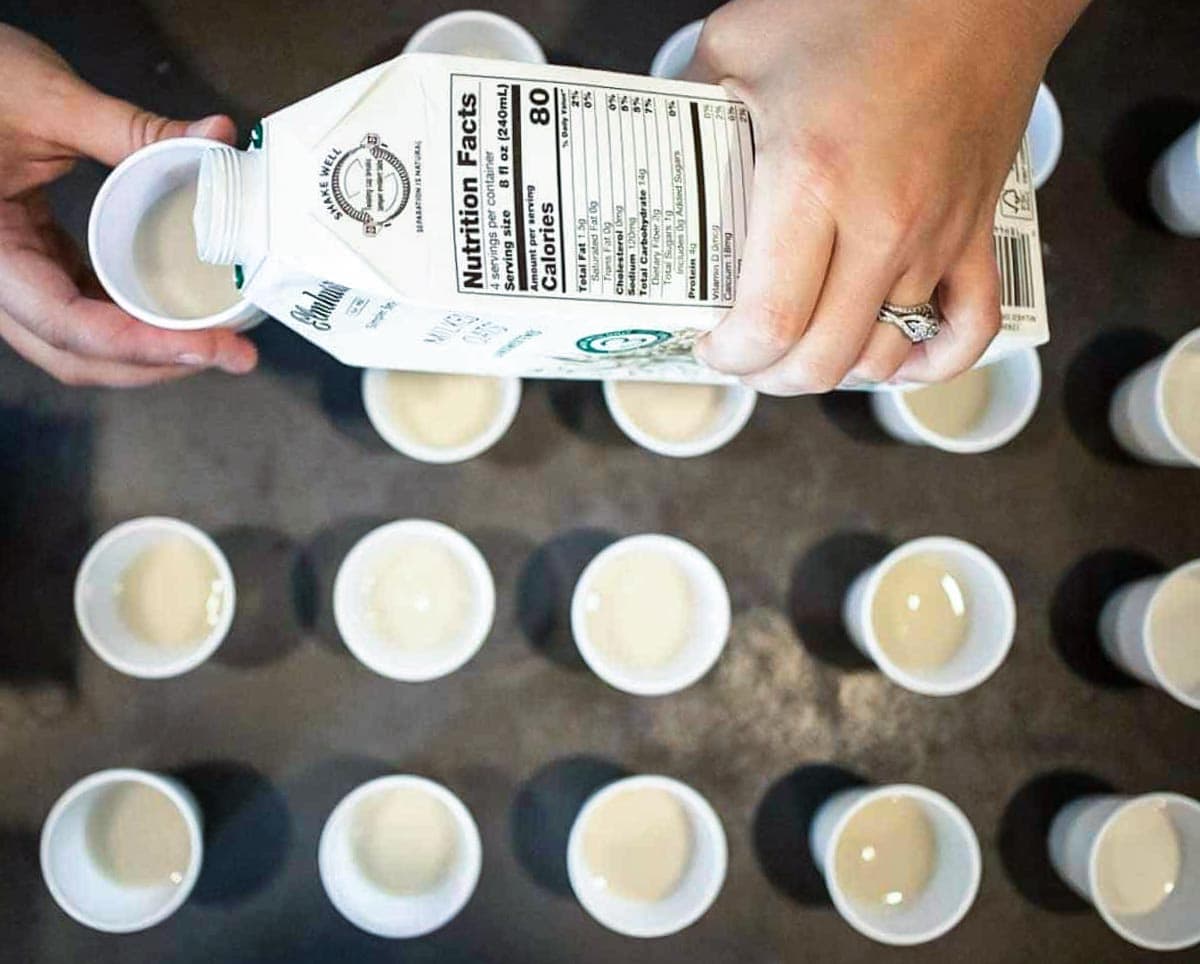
[{"x": 109, "y": 129}]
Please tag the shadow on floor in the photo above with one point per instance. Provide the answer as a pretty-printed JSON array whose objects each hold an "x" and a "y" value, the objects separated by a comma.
[
  {"x": 580, "y": 407},
  {"x": 544, "y": 809},
  {"x": 1075, "y": 611},
  {"x": 781, "y": 825},
  {"x": 1092, "y": 377},
  {"x": 275, "y": 597},
  {"x": 851, "y": 413},
  {"x": 818, "y": 587},
  {"x": 1133, "y": 146},
  {"x": 545, "y": 587},
  {"x": 1024, "y": 827},
  {"x": 18, "y": 914},
  {"x": 247, "y": 830}
]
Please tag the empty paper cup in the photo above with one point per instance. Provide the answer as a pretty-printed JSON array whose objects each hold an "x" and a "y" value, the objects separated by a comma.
[
  {"x": 706, "y": 619},
  {"x": 449, "y": 574},
  {"x": 362, "y": 898},
  {"x": 477, "y": 33},
  {"x": 1155, "y": 411},
  {"x": 1086, "y": 842},
  {"x": 1045, "y": 136},
  {"x": 1149, "y": 629},
  {"x": 1175, "y": 184},
  {"x": 701, "y": 879},
  {"x": 952, "y": 884},
  {"x": 98, "y": 599},
  {"x": 160, "y": 279},
  {"x": 733, "y": 408},
  {"x": 402, "y": 429},
  {"x": 79, "y": 865},
  {"x": 677, "y": 51},
  {"x": 976, "y": 588},
  {"x": 926, "y": 415}
]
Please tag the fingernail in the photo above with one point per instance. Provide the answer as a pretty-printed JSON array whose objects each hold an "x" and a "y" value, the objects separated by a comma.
[
  {"x": 205, "y": 127},
  {"x": 191, "y": 358}
]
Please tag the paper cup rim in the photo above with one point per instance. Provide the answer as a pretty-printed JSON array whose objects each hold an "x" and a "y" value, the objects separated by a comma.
[
  {"x": 664, "y": 53},
  {"x": 928, "y": 797},
  {"x": 1047, "y": 104},
  {"x": 464, "y": 820},
  {"x": 194, "y": 655},
  {"x": 1169, "y": 686},
  {"x": 901, "y": 676},
  {"x": 1182, "y": 344},
  {"x": 477, "y": 569},
  {"x": 488, "y": 18},
  {"x": 1111, "y": 919},
  {"x": 741, "y": 408},
  {"x": 695, "y": 803},
  {"x": 373, "y": 383},
  {"x": 221, "y": 319},
  {"x": 961, "y": 446},
  {"x": 187, "y": 808},
  {"x": 630, "y": 681}
]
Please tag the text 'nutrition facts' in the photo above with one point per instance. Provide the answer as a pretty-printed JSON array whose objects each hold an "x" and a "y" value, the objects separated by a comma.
[{"x": 597, "y": 193}]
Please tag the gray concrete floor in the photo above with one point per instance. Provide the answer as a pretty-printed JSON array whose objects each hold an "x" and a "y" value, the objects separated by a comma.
[{"x": 282, "y": 468}]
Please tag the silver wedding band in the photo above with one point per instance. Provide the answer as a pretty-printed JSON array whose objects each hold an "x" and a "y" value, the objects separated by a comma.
[{"x": 918, "y": 322}]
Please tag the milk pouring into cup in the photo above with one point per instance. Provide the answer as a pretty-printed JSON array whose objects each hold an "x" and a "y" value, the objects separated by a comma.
[{"x": 442, "y": 213}]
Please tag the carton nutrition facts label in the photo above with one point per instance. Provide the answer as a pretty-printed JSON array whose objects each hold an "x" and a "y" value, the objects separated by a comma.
[{"x": 597, "y": 193}]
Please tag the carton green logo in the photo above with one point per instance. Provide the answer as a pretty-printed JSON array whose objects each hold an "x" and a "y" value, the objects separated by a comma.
[{"x": 628, "y": 339}]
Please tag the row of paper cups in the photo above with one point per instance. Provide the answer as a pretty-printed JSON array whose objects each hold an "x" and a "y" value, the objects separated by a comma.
[
  {"x": 82, "y": 886},
  {"x": 1127, "y": 624}
]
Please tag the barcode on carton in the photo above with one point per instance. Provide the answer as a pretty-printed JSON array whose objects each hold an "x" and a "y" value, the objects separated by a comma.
[{"x": 1014, "y": 259}]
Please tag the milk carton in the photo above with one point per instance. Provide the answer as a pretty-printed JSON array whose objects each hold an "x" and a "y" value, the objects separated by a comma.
[{"x": 458, "y": 215}]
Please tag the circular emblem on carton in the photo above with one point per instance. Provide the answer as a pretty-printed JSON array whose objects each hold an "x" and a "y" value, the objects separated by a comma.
[
  {"x": 370, "y": 184},
  {"x": 629, "y": 339}
]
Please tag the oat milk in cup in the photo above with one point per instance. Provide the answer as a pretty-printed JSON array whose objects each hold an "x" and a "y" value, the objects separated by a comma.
[{"x": 442, "y": 213}]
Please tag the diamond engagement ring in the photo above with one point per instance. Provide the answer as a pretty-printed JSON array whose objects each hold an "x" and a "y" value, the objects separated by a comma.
[{"x": 918, "y": 322}]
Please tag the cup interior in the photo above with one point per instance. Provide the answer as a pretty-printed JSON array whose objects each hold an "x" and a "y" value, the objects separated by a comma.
[
  {"x": 951, "y": 889},
  {"x": 710, "y": 619},
  {"x": 98, "y": 612},
  {"x": 77, "y": 881},
  {"x": 698, "y": 888},
  {"x": 1181, "y": 418},
  {"x": 991, "y": 623},
  {"x": 375, "y": 389},
  {"x": 477, "y": 33},
  {"x": 374, "y": 909},
  {"x": 413, "y": 664},
  {"x": 1174, "y": 924},
  {"x": 1014, "y": 386},
  {"x": 1163, "y": 615},
  {"x": 128, "y": 194},
  {"x": 735, "y": 408}
]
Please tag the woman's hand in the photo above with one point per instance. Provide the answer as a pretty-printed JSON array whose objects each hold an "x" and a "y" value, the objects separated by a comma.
[
  {"x": 52, "y": 311},
  {"x": 885, "y": 132}
]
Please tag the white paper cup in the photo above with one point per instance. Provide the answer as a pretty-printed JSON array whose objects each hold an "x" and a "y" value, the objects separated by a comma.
[
  {"x": 412, "y": 665},
  {"x": 98, "y": 614},
  {"x": 696, "y": 891},
  {"x": 367, "y": 905},
  {"x": 951, "y": 889},
  {"x": 737, "y": 405},
  {"x": 709, "y": 625},
  {"x": 125, "y": 197},
  {"x": 477, "y": 33},
  {"x": 1074, "y": 843},
  {"x": 1127, "y": 636},
  {"x": 1138, "y": 414},
  {"x": 374, "y": 395},
  {"x": 992, "y": 616},
  {"x": 78, "y": 884},
  {"x": 1045, "y": 136},
  {"x": 1016, "y": 385},
  {"x": 1175, "y": 184},
  {"x": 676, "y": 53}
]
